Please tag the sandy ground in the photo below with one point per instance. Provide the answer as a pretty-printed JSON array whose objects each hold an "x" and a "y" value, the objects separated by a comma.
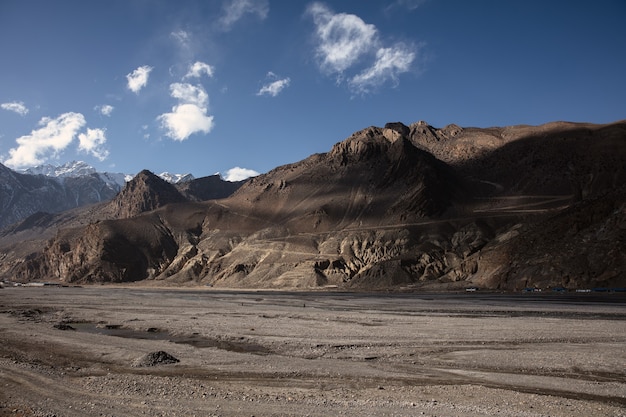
[{"x": 79, "y": 351}]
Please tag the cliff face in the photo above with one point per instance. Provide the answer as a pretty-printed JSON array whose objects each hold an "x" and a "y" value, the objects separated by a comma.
[
  {"x": 393, "y": 207},
  {"x": 108, "y": 251}
]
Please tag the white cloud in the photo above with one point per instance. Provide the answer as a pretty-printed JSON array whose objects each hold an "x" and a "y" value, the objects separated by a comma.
[
  {"x": 105, "y": 109},
  {"x": 343, "y": 38},
  {"x": 17, "y": 107},
  {"x": 239, "y": 174},
  {"x": 189, "y": 116},
  {"x": 191, "y": 94},
  {"x": 198, "y": 68},
  {"x": 233, "y": 10},
  {"x": 138, "y": 78},
  {"x": 389, "y": 63},
  {"x": 185, "y": 120},
  {"x": 353, "y": 50},
  {"x": 54, "y": 136},
  {"x": 273, "y": 88},
  {"x": 93, "y": 142}
]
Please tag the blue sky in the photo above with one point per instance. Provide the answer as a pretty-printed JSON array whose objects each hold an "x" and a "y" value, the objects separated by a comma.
[{"x": 206, "y": 86}]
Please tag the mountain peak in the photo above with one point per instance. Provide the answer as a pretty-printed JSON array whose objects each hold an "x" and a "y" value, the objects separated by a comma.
[
  {"x": 176, "y": 178},
  {"x": 145, "y": 192}
]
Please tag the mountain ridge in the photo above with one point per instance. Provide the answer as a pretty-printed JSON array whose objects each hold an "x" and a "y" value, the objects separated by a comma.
[
  {"x": 380, "y": 211},
  {"x": 56, "y": 188}
]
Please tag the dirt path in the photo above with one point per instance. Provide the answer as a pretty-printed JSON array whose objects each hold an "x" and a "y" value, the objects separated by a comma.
[{"x": 318, "y": 354}]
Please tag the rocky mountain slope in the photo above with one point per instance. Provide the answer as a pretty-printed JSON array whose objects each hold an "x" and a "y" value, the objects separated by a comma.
[
  {"x": 394, "y": 207},
  {"x": 22, "y": 194}
]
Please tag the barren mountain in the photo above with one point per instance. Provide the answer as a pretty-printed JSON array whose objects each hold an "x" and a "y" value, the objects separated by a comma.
[
  {"x": 145, "y": 192},
  {"x": 393, "y": 207}
]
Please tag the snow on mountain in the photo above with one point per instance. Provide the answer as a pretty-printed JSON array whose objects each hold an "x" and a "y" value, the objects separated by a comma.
[
  {"x": 55, "y": 188},
  {"x": 176, "y": 178},
  {"x": 77, "y": 169},
  {"x": 69, "y": 169}
]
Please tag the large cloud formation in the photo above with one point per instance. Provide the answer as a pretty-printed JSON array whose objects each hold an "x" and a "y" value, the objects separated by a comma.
[
  {"x": 345, "y": 43},
  {"x": 53, "y": 137},
  {"x": 189, "y": 116}
]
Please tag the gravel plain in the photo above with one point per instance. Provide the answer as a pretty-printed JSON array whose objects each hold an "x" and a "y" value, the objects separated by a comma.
[{"x": 135, "y": 351}]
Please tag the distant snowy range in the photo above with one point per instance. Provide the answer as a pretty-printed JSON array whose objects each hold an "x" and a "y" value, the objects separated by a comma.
[
  {"x": 56, "y": 188},
  {"x": 79, "y": 169}
]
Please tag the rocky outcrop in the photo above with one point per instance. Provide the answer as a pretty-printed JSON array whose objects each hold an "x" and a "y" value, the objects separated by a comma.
[{"x": 108, "y": 251}]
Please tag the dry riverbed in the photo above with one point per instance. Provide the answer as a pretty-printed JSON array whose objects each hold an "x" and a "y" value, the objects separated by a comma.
[{"x": 104, "y": 351}]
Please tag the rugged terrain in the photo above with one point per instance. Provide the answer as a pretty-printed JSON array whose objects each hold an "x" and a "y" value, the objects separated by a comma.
[
  {"x": 400, "y": 207},
  {"x": 104, "y": 351},
  {"x": 24, "y": 194}
]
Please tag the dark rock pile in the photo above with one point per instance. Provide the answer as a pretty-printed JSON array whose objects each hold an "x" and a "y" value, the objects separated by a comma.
[{"x": 154, "y": 359}]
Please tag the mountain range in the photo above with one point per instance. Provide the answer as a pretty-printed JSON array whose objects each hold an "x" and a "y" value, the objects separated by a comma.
[
  {"x": 56, "y": 188},
  {"x": 394, "y": 207}
]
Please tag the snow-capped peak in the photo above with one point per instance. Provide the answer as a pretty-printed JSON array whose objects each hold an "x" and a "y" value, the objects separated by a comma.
[
  {"x": 69, "y": 169},
  {"x": 176, "y": 178},
  {"x": 76, "y": 169}
]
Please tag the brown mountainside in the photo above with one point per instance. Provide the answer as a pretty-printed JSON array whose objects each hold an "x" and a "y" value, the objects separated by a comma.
[
  {"x": 368, "y": 179},
  {"x": 393, "y": 207},
  {"x": 145, "y": 192}
]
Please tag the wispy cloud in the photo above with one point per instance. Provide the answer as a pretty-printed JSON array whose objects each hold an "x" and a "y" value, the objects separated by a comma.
[
  {"x": 390, "y": 62},
  {"x": 105, "y": 109},
  {"x": 17, "y": 107},
  {"x": 197, "y": 69},
  {"x": 233, "y": 10},
  {"x": 182, "y": 37},
  {"x": 409, "y": 5},
  {"x": 352, "y": 50},
  {"x": 92, "y": 142},
  {"x": 239, "y": 174},
  {"x": 52, "y": 137},
  {"x": 189, "y": 116},
  {"x": 343, "y": 38},
  {"x": 138, "y": 79},
  {"x": 273, "y": 88}
]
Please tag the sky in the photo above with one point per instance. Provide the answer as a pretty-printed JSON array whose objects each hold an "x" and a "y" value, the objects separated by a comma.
[{"x": 239, "y": 87}]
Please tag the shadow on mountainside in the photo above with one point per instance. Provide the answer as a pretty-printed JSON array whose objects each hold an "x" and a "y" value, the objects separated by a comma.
[{"x": 377, "y": 211}]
